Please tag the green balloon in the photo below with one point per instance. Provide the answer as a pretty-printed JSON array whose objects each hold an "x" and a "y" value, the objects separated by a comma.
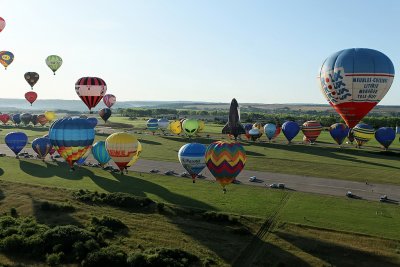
[
  {"x": 54, "y": 62},
  {"x": 190, "y": 127}
]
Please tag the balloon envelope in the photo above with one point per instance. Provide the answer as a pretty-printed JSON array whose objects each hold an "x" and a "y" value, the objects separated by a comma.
[
  {"x": 339, "y": 132},
  {"x": 121, "y": 147},
  {"x": 16, "y": 141},
  {"x": 42, "y": 146},
  {"x": 42, "y": 119},
  {"x": 105, "y": 114},
  {"x": 4, "y": 118},
  {"x": 31, "y": 96},
  {"x": 34, "y": 119},
  {"x": 269, "y": 130},
  {"x": 385, "y": 136},
  {"x": 136, "y": 157},
  {"x": 93, "y": 121},
  {"x": 83, "y": 158},
  {"x": 290, "y": 129},
  {"x": 190, "y": 127},
  {"x": 192, "y": 158},
  {"x": 54, "y": 62},
  {"x": 16, "y": 118},
  {"x": 255, "y": 134},
  {"x": 354, "y": 81},
  {"x": 31, "y": 78},
  {"x": 109, "y": 100},
  {"x": 26, "y": 118},
  {"x": 152, "y": 125},
  {"x": 163, "y": 124},
  {"x": 2, "y": 24},
  {"x": 363, "y": 133},
  {"x": 6, "y": 58},
  {"x": 202, "y": 125},
  {"x": 311, "y": 130},
  {"x": 91, "y": 90},
  {"x": 50, "y": 115},
  {"x": 175, "y": 127},
  {"x": 100, "y": 153}
]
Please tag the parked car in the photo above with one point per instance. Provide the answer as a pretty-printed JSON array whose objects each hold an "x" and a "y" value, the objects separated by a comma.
[
  {"x": 253, "y": 179},
  {"x": 281, "y": 186},
  {"x": 350, "y": 194},
  {"x": 273, "y": 186},
  {"x": 383, "y": 198},
  {"x": 154, "y": 171}
]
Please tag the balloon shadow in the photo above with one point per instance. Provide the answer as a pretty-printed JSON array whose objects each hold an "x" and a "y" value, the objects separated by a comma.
[
  {"x": 149, "y": 142},
  {"x": 1, "y": 172}
]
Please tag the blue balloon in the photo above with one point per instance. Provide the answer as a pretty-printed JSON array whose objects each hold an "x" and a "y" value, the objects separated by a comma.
[
  {"x": 16, "y": 118},
  {"x": 42, "y": 146},
  {"x": 16, "y": 141},
  {"x": 152, "y": 125},
  {"x": 93, "y": 121},
  {"x": 105, "y": 114},
  {"x": 192, "y": 158},
  {"x": 269, "y": 130},
  {"x": 339, "y": 132},
  {"x": 248, "y": 127},
  {"x": 385, "y": 136},
  {"x": 100, "y": 153},
  {"x": 290, "y": 129}
]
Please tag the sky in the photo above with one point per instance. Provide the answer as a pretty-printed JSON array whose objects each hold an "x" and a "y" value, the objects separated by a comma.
[{"x": 206, "y": 50}]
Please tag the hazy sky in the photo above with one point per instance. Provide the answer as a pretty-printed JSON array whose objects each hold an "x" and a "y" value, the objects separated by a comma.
[{"x": 257, "y": 51}]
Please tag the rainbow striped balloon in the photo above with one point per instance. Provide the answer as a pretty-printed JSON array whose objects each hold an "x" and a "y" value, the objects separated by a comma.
[
  {"x": 121, "y": 147},
  {"x": 225, "y": 161}
]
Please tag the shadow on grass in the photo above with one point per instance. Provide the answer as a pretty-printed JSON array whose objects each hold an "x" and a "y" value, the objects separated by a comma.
[
  {"x": 1, "y": 171},
  {"x": 335, "y": 254},
  {"x": 149, "y": 142}
]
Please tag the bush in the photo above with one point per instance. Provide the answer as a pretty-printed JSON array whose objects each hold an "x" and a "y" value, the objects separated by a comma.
[
  {"x": 212, "y": 216},
  {"x": 54, "y": 259},
  {"x": 109, "y": 256},
  {"x": 109, "y": 222},
  {"x": 48, "y": 206},
  {"x": 162, "y": 257}
]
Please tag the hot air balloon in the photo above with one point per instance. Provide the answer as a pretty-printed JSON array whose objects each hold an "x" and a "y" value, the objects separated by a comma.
[
  {"x": 6, "y": 58},
  {"x": 80, "y": 161},
  {"x": 339, "y": 131},
  {"x": 163, "y": 124},
  {"x": 363, "y": 133},
  {"x": 190, "y": 127},
  {"x": 277, "y": 132},
  {"x": 93, "y": 121},
  {"x": 2, "y": 24},
  {"x": 225, "y": 161},
  {"x": 202, "y": 125},
  {"x": 50, "y": 115},
  {"x": 42, "y": 146},
  {"x": 105, "y": 114},
  {"x": 152, "y": 125},
  {"x": 71, "y": 137},
  {"x": 16, "y": 141},
  {"x": 109, "y": 100},
  {"x": 255, "y": 134},
  {"x": 121, "y": 147},
  {"x": 42, "y": 119},
  {"x": 385, "y": 136},
  {"x": 350, "y": 136},
  {"x": 26, "y": 118},
  {"x": 175, "y": 127},
  {"x": 54, "y": 62},
  {"x": 247, "y": 128},
  {"x": 269, "y": 130},
  {"x": 192, "y": 158},
  {"x": 31, "y": 96},
  {"x": 16, "y": 118},
  {"x": 4, "y": 118},
  {"x": 34, "y": 120},
  {"x": 290, "y": 129},
  {"x": 311, "y": 130},
  {"x": 31, "y": 78},
  {"x": 354, "y": 81},
  {"x": 91, "y": 90},
  {"x": 136, "y": 157},
  {"x": 100, "y": 153}
]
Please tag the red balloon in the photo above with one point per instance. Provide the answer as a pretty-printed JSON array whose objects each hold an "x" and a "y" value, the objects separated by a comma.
[
  {"x": 277, "y": 132},
  {"x": 31, "y": 96},
  {"x": 4, "y": 118}
]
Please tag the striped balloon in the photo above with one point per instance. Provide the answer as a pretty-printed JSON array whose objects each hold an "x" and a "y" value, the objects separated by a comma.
[
  {"x": 83, "y": 158},
  {"x": 42, "y": 146},
  {"x": 191, "y": 156},
  {"x": 109, "y": 100},
  {"x": 225, "y": 161},
  {"x": 311, "y": 130},
  {"x": 152, "y": 125},
  {"x": 91, "y": 90},
  {"x": 122, "y": 147},
  {"x": 136, "y": 157},
  {"x": 100, "y": 153},
  {"x": 363, "y": 133}
]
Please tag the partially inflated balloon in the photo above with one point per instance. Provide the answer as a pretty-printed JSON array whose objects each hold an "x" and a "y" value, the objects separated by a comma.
[
  {"x": 105, "y": 114},
  {"x": 71, "y": 137},
  {"x": 385, "y": 136},
  {"x": 190, "y": 127},
  {"x": 192, "y": 158},
  {"x": 91, "y": 90},
  {"x": 363, "y": 133},
  {"x": 16, "y": 118},
  {"x": 2, "y": 24},
  {"x": 31, "y": 78},
  {"x": 42, "y": 146},
  {"x": 54, "y": 62},
  {"x": 50, "y": 115},
  {"x": 225, "y": 161},
  {"x": 269, "y": 130},
  {"x": 121, "y": 147},
  {"x": 34, "y": 120},
  {"x": 16, "y": 141},
  {"x": 31, "y": 96},
  {"x": 152, "y": 125},
  {"x": 311, "y": 130},
  {"x": 136, "y": 157},
  {"x": 109, "y": 100},
  {"x": 290, "y": 129},
  {"x": 175, "y": 127},
  {"x": 354, "y": 81},
  {"x": 26, "y": 118},
  {"x": 42, "y": 119},
  {"x": 100, "y": 153},
  {"x": 4, "y": 118},
  {"x": 6, "y": 58},
  {"x": 339, "y": 132}
]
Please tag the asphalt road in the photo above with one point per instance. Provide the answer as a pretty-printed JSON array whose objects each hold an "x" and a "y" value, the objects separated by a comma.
[{"x": 292, "y": 182}]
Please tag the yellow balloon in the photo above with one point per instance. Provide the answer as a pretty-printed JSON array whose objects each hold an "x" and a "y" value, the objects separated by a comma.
[
  {"x": 201, "y": 126},
  {"x": 259, "y": 127},
  {"x": 121, "y": 147},
  {"x": 136, "y": 157},
  {"x": 175, "y": 127},
  {"x": 50, "y": 115}
]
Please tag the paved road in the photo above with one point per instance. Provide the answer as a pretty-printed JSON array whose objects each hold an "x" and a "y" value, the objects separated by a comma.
[{"x": 294, "y": 182}]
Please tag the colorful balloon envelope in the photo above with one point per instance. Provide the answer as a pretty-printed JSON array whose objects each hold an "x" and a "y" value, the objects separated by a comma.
[
  {"x": 225, "y": 161},
  {"x": 42, "y": 146},
  {"x": 269, "y": 130},
  {"x": 6, "y": 58},
  {"x": 350, "y": 136},
  {"x": 84, "y": 157},
  {"x": 190, "y": 127},
  {"x": 105, "y": 114},
  {"x": 50, "y": 115},
  {"x": 54, "y": 62},
  {"x": 363, "y": 133},
  {"x": 339, "y": 132},
  {"x": 4, "y": 118},
  {"x": 277, "y": 132},
  {"x": 290, "y": 129},
  {"x": 34, "y": 120},
  {"x": 26, "y": 118},
  {"x": 247, "y": 128},
  {"x": 93, "y": 121},
  {"x": 16, "y": 118},
  {"x": 121, "y": 147},
  {"x": 71, "y": 137},
  {"x": 31, "y": 96},
  {"x": 32, "y": 78},
  {"x": 91, "y": 90},
  {"x": 354, "y": 81},
  {"x": 255, "y": 134},
  {"x": 311, "y": 130},
  {"x": 109, "y": 100},
  {"x": 259, "y": 127},
  {"x": 163, "y": 124},
  {"x": 385, "y": 136},
  {"x": 2, "y": 24},
  {"x": 42, "y": 119},
  {"x": 192, "y": 158},
  {"x": 136, "y": 157},
  {"x": 202, "y": 125},
  {"x": 152, "y": 125},
  {"x": 16, "y": 141},
  {"x": 175, "y": 127},
  {"x": 100, "y": 153}
]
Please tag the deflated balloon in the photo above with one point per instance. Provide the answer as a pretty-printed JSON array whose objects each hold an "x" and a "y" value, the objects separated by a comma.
[
  {"x": 31, "y": 78},
  {"x": 100, "y": 153},
  {"x": 363, "y": 133},
  {"x": 290, "y": 129},
  {"x": 91, "y": 90},
  {"x": 269, "y": 130},
  {"x": 31, "y": 96},
  {"x": 105, "y": 114},
  {"x": 311, "y": 130},
  {"x": 26, "y": 118},
  {"x": 175, "y": 127},
  {"x": 136, "y": 157},
  {"x": 121, "y": 147},
  {"x": 152, "y": 125},
  {"x": 54, "y": 62},
  {"x": 339, "y": 132},
  {"x": 385, "y": 136},
  {"x": 16, "y": 141},
  {"x": 6, "y": 58},
  {"x": 109, "y": 100},
  {"x": 192, "y": 158},
  {"x": 190, "y": 127},
  {"x": 42, "y": 146}
]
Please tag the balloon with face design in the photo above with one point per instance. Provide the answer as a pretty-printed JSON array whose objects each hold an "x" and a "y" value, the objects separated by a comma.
[{"x": 190, "y": 127}]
